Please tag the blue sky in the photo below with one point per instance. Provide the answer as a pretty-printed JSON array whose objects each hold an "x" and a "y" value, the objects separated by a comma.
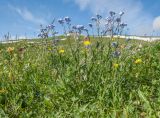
[{"x": 25, "y": 16}]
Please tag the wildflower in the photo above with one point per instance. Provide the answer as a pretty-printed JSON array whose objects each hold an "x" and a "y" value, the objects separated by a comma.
[
  {"x": 51, "y": 26},
  {"x": 74, "y": 27},
  {"x": 49, "y": 49},
  {"x": 121, "y": 13},
  {"x": 108, "y": 19},
  {"x": 114, "y": 44},
  {"x": 115, "y": 65},
  {"x": 10, "y": 49},
  {"x": 80, "y": 27},
  {"x": 122, "y": 46},
  {"x": 118, "y": 20},
  {"x": 99, "y": 16},
  {"x": 61, "y": 21},
  {"x": 112, "y": 13},
  {"x": 138, "y": 61},
  {"x": 61, "y": 51},
  {"x": 94, "y": 19},
  {"x": 67, "y": 19},
  {"x": 86, "y": 43},
  {"x": 3, "y": 91},
  {"x": 128, "y": 47},
  {"x": 140, "y": 46},
  {"x": 90, "y": 25},
  {"x": 113, "y": 39},
  {"x": 116, "y": 54}
]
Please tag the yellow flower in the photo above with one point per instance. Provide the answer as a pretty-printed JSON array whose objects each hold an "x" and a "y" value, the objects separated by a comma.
[
  {"x": 122, "y": 46},
  {"x": 61, "y": 51},
  {"x": 138, "y": 61},
  {"x": 86, "y": 43},
  {"x": 113, "y": 39},
  {"x": 49, "y": 49},
  {"x": 10, "y": 49},
  {"x": 115, "y": 65},
  {"x": 3, "y": 91}
]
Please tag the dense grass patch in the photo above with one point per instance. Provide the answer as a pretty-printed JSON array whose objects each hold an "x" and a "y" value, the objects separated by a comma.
[{"x": 75, "y": 80}]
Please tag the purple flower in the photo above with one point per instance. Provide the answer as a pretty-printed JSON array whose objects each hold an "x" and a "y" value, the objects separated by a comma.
[
  {"x": 118, "y": 20},
  {"x": 85, "y": 29},
  {"x": 61, "y": 21},
  {"x": 122, "y": 25},
  {"x": 74, "y": 27},
  {"x": 90, "y": 25},
  {"x": 121, "y": 13},
  {"x": 112, "y": 13},
  {"x": 40, "y": 35},
  {"x": 116, "y": 54},
  {"x": 94, "y": 19},
  {"x": 51, "y": 26},
  {"x": 80, "y": 27},
  {"x": 114, "y": 44},
  {"x": 108, "y": 19},
  {"x": 67, "y": 19},
  {"x": 99, "y": 16}
]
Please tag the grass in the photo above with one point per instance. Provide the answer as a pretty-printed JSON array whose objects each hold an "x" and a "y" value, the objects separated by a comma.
[{"x": 39, "y": 81}]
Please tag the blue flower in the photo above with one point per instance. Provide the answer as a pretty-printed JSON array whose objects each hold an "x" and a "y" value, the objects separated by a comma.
[
  {"x": 67, "y": 19},
  {"x": 118, "y": 20},
  {"x": 121, "y": 13},
  {"x": 116, "y": 54},
  {"x": 61, "y": 21},
  {"x": 80, "y": 27},
  {"x": 90, "y": 25},
  {"x": 114, "y": 44},
  {"x": 112, "y": 13},
  {"x": 94, "y": 19},
  {"x": 122, "y": 25},
  {"x": 99, "y": 16},
  {"x": 74, "y": 27},
  {"x": 85, "y": 29},
  {"x": 51, "y": 26},
  {"x": 108, "y": 19}
]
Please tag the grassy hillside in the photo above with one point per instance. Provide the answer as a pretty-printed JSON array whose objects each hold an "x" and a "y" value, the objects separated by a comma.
[{"x": 99, "y": 78}]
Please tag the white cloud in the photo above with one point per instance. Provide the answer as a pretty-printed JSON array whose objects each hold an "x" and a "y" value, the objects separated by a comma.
[
  {"x": 137, "y": 19},
  {"x": 27, "y": 15},
  {"x": 156, "y": 23}
]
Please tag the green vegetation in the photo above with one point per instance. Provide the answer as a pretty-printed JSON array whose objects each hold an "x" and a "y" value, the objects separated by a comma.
[{"x": 73, "y": 80}]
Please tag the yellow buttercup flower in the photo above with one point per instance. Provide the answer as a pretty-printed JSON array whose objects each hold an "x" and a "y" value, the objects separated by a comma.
[
  {"x": 113, "y": 39},
  {"x": 61, "y": 51},
  {"x": 10, "y": 49},
  {"x": 138, "y": 61},
  {"x": 86, "y": 43},
  {"x": 49, "y": 49},
  {"x": 3, "y": 91},
  {"x": 115, "y": 65}
]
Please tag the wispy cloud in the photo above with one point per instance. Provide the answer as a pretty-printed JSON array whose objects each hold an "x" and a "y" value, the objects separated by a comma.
[
  {"x": 139, "y": 21},
  {"x": 27, "y": 15}
]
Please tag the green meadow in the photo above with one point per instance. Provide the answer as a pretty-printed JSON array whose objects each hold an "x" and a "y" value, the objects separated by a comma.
[{"x": 80, "y": 79}]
